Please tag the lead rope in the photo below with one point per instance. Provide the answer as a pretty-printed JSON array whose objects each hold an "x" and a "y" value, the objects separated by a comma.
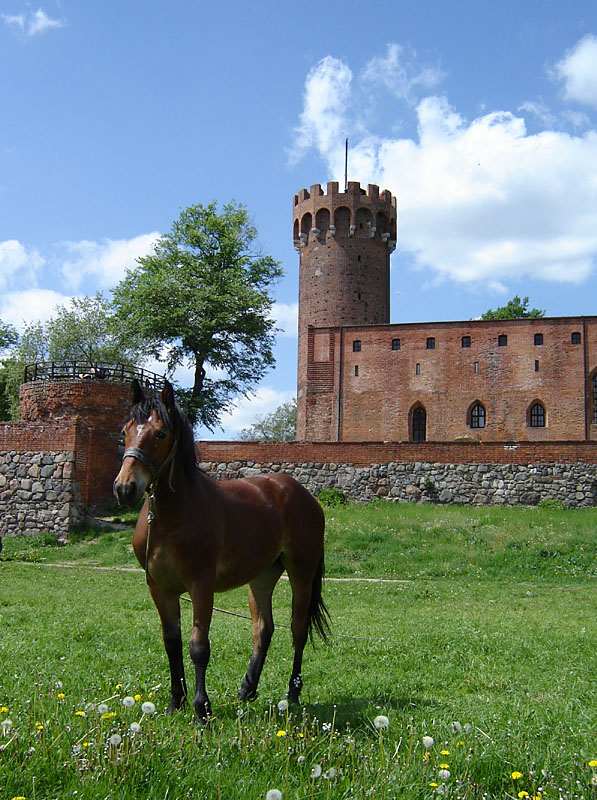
[{"x": 150, "y": 519}]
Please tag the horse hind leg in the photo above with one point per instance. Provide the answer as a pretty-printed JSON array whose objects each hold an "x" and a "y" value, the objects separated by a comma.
[
  {"x": 260, "y": 604},
  {"x": 308, "y": 612}
]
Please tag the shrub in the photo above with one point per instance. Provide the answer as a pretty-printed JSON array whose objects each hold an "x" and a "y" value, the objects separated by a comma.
[
  {"x": 332, "y": 497},
  {"x": 551, "y": 502}
]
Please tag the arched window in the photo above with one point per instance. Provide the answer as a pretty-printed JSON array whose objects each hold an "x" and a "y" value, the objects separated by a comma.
[
  {"x": 419, "y": 425},
  {"x": 477, "y": 416},
  {"x": 537, "y": 416}
]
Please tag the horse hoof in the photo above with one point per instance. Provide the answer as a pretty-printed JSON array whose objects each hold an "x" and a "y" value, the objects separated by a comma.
[{"x": 246, "y": 694}]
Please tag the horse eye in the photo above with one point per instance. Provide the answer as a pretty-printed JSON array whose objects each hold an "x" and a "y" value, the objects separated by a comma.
[{"x": 160, "y": 434}]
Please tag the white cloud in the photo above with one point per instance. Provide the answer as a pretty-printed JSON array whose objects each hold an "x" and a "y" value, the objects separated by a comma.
[
  {"x": 286, "y": 316},
  {"x": 106, "y": 262},
  {"x": 39, "y": 22},
  {"x": 398, "y": 72},
  {"x": 35, "y": 23},
  {"x": 17, "y": 262},
  {"x": 481, "y": 201},
  {"x": 578, "y": 71},
  {"x": 327, "y": 93},
  {"x": 31, "y": 305}
]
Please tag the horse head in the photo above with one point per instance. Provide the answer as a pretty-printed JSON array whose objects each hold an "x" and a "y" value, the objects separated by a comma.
[{"x": 149, "y": 443}]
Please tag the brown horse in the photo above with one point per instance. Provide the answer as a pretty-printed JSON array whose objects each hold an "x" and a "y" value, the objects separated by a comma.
[{"x": 201, "y": 536}]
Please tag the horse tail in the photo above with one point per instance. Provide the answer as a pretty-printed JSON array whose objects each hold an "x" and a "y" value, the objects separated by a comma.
[{"x": 319, "y": 616}]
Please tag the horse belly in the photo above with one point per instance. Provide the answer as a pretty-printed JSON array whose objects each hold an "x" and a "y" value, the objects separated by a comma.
[{"x": 243, "y": 560}]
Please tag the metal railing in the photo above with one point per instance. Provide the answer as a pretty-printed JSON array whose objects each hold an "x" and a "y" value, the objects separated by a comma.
[{"x": 84, "y": 371}]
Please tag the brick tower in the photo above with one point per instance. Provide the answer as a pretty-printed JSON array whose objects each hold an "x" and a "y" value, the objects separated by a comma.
[{"x": 344, "y": 240}]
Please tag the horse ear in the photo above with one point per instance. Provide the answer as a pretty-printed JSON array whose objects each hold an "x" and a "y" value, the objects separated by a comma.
[
  {"x": 138, "y": 395},
  {"x": 168, "y": 396}
]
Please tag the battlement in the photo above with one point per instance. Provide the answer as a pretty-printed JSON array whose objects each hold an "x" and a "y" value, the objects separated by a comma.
[{"x": 353, "y": 192}]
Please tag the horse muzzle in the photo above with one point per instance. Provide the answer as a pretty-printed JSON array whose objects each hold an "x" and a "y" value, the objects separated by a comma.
[{"x": 127, "y": 493}]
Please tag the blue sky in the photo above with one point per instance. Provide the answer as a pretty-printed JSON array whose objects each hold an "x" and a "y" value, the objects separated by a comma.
[{"x": 480, "y": 117}]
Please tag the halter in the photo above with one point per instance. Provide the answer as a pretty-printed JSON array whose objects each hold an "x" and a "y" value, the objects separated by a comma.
[{"x": 154, "y": 469}]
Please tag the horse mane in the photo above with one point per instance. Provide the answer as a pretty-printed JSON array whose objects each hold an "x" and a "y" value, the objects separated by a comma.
[{"x": 179, "y": 425}]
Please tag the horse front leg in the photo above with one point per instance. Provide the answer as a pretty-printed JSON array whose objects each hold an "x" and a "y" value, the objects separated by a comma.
[
  {"x": 168, "y": 607},
  {"x": 202, "y": 596}
]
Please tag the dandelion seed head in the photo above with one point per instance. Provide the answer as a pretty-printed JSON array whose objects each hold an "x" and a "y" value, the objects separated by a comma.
[
  {"x": 274, "y": 794},
  {"x": 282, "y": 706},
  {"x": 428, "y": 742},
  {"x": 148, "y": 708},
  {"x": 456, "y": 727},
  {"x": 102, "y": 708},
  {"x": 134, "y": 727},
  {"x": 115, "y": 739},
  {"x": 6, "y": 726},
  {"x": 381, "y": 722},
  {"x": 127, "y": 702},
  {"x": 316, "y": 771},
  {"x": 443, "y": 774}
]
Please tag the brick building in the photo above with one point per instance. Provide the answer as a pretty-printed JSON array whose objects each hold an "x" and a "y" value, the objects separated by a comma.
[{"x": 363, "y": 379}]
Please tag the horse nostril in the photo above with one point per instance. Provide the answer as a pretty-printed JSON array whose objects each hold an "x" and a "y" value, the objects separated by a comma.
[{"x": 126, "y": 493}]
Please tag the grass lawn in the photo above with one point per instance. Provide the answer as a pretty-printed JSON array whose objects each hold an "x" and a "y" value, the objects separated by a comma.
[{"x": 482, "y": 637}]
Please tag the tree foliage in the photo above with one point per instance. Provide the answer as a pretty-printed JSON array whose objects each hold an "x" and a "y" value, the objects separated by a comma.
[
  {"x": 85, "y": 331},
  {"x": 514, "y": 309},
  {"x": 277, "y": 426},
  {"x": 201, "y": 299}
]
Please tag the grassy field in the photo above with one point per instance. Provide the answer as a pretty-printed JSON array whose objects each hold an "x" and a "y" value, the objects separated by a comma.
[{"x": 478, "y": 632}]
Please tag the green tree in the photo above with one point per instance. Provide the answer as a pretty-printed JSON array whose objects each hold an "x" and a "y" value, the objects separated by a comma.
[
  {"x": 514, "y": 309},
  {"x": 8, "y": 339},
  {"x": 277, "y": 426},
  {"x": 201, "y": 299}
]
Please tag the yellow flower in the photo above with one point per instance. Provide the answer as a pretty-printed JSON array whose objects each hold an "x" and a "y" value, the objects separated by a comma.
[
  {"x": 39, "y": 726},
  {"x": 444, "y": 766},
  {"x": 80, "y": 714},
  {"x": 426, "y": 756},
  {"x": 20, "y": 797},
  {"x": 150, "y": 694},
  {"x": 445, "y": 752},
  {"x": 281, "y": 733},
  {"x": 85, "y": 744},
  {"x": 433, "y": 784},
  {"x": 119, "y": 686},
  {"x": 516, "y": 775},
  {"x": 460, "y": 743},
  {"x": 4, "y": 710},
  {"x": 137, "y": 697},
  {"x": 592, "y": 763},
  {"x": 61, "y": 695},
  {"x": 523, "y": 794},
  {"x": 108, "y": 715}
]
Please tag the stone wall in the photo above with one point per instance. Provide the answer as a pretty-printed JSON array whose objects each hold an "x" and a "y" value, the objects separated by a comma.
[
  {"x": 573, "y": 485},
  {"x": 504, "y": 474},
  {"x": 38, "y": 493}
]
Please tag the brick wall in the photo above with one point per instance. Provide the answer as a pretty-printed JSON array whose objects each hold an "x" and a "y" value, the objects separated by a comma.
[{"x": 370, "y": 394}]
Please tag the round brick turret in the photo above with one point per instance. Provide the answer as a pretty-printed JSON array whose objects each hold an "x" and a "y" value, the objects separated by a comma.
[
  {"x": 98, "y": 404},
  {"x": 344, "y": 240}
]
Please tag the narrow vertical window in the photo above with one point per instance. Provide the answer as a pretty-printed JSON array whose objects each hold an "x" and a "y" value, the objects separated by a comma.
[
  {"x": 418, "y": 369},
  {"x": 395, "y": 344},
  {"x": 537, "y": 416},
  {"x": 536, "y": 366},
  {"x": 431, "y": 343},
  {"x": 356, "y": 371},
  {"x": 595, "y": 400},
  {"x": 419, "y": 425},
  {"x": 476, "y": 367},
  {"x": 575, "y": 338},
  {"x": 538, "y": 339},
  {"x": 356, "y": 346},
  {"x": 502, "y": 340},
  {"x": 477, "y": 416}
]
